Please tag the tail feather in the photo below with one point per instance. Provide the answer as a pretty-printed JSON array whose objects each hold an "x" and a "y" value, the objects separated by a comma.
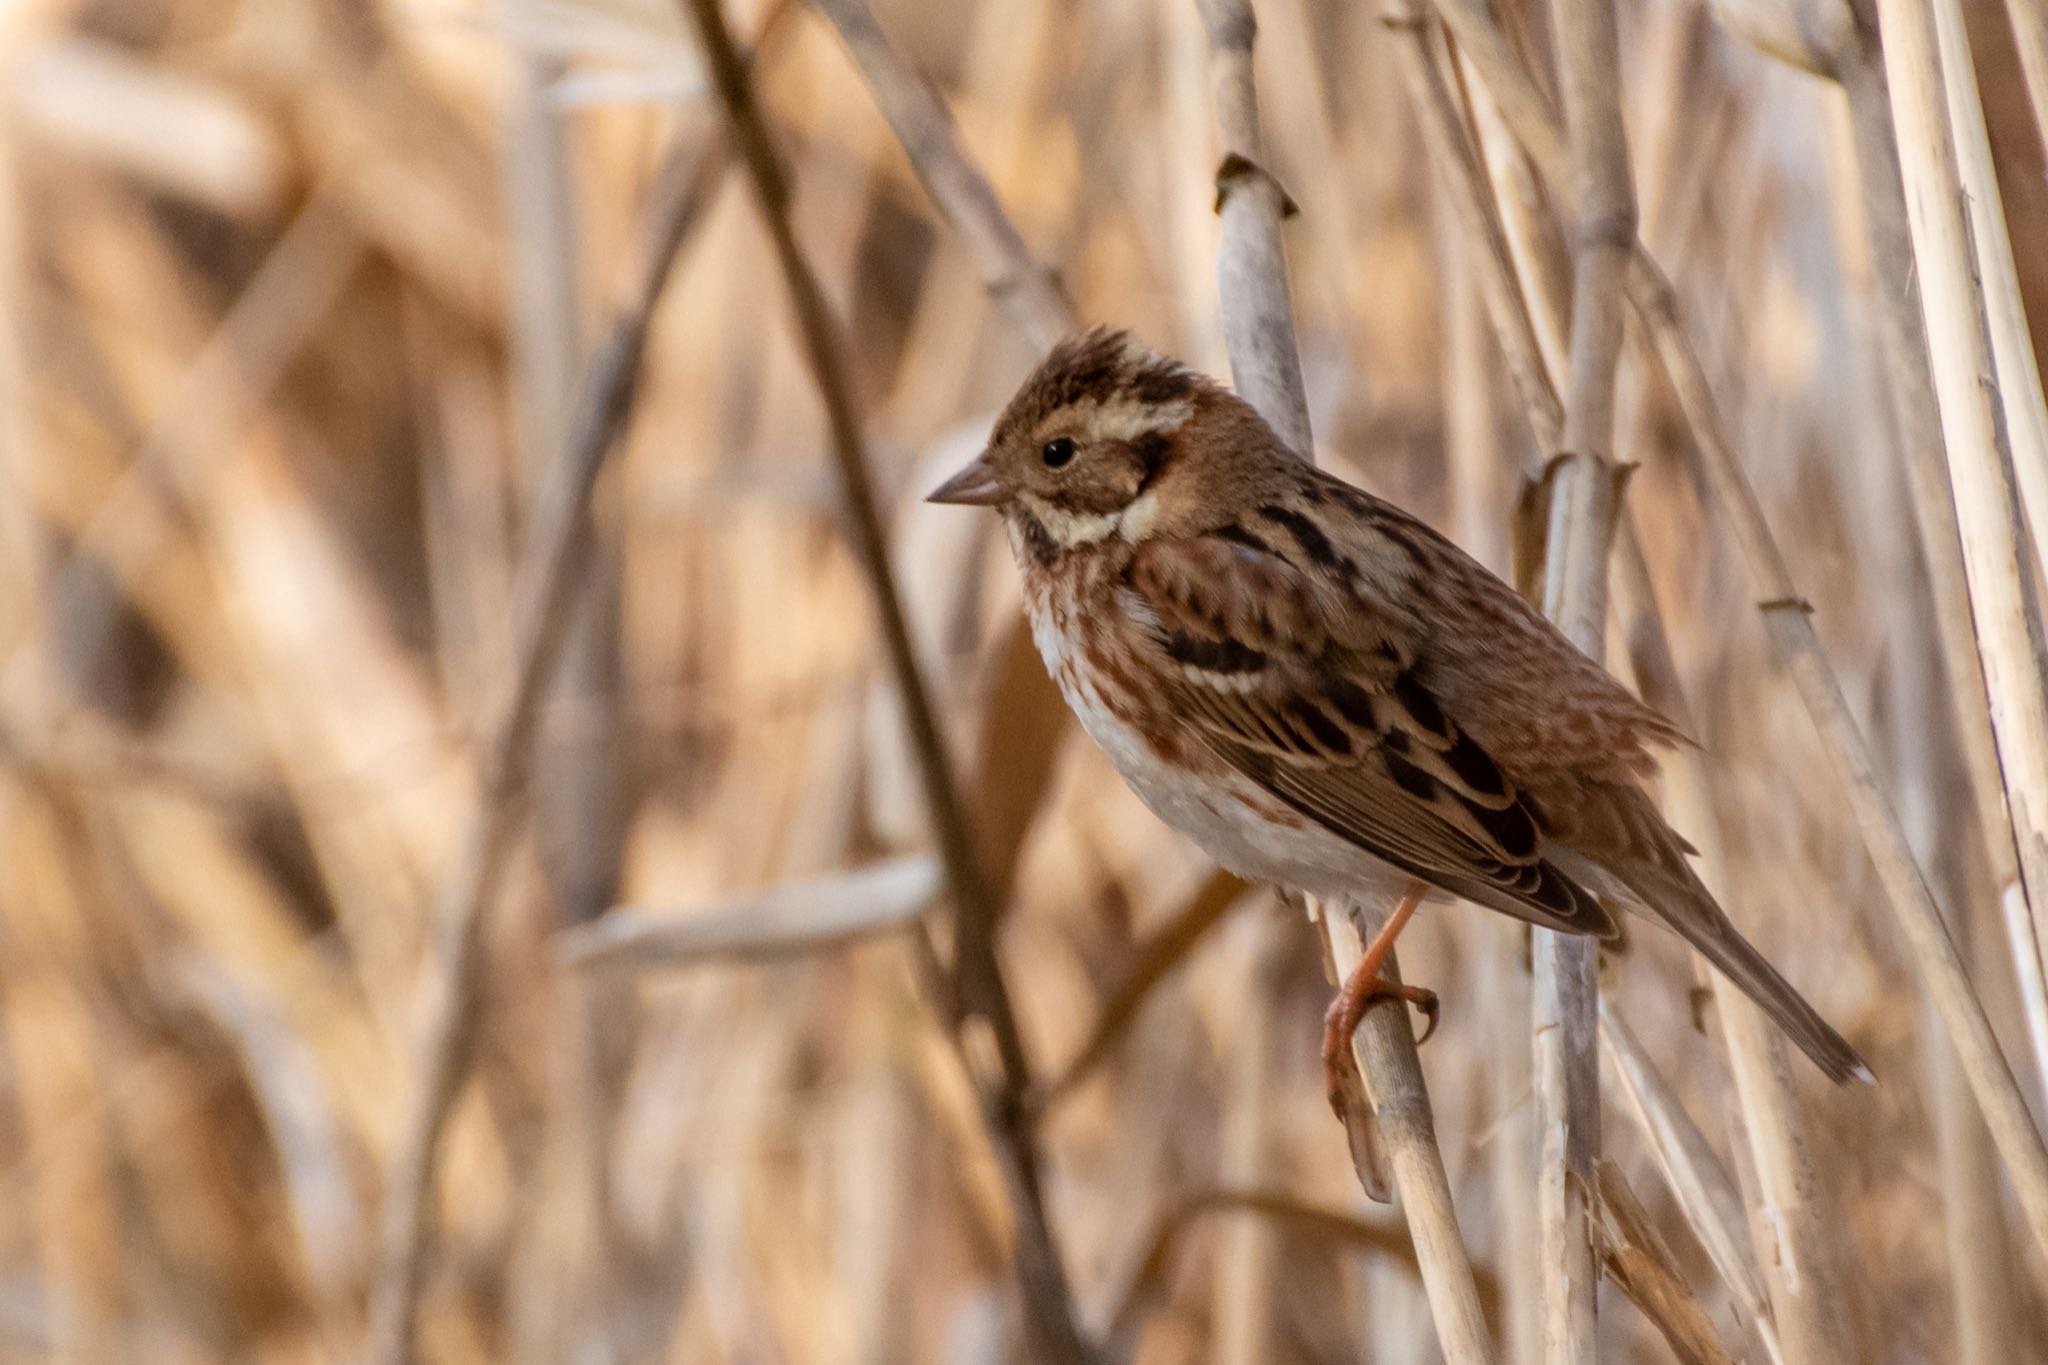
[
  {"x": 1745, "y": 966},
  {"x": 1670, "y": 894}
]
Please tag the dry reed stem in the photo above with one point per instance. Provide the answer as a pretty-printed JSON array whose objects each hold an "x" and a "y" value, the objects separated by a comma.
[
  {"x": 1250, "y": 256},
  {"x": 1756, "y": 1051},
  {"x": 1799, "y": 1242},
  {"x": 1585, "y": 504},
  {"x": 1702, "y": 1186},
  {"x": 983, "y": 997},
  {"x": 542, "y": 596},
  {"x": 2018, "y": 377},
  {"x": 1902, "y": 335},
  {"x": 1641, "y": 1266},
  {"x": 1793, "y": 636},
  {"x": 957, "y": 187},
  {"x": 790, "y": 920},
  {"x": 1258, "y": 331},
  {"x": 1788, "y": 620},
  {"x": 1969, "y": 385}
]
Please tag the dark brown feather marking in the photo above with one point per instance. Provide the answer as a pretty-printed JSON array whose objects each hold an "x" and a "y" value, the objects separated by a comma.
[
  {"x": 1412, "y": 779},
  {"x": 1353, "y": 703},
  {"x": 1320, "y": 727},
  {"x": 1213, "y": 656},
  {"x": 1417, "y": 702},
  {"x": 1161, "y": 383},
  {"x": 1037, "y": 539},
  {"x": 1153, "y": 449},
  {"x": 1306, "y": 534},
  {"x": 1239, "y": 535},
  {"x": 1474, "y": 768}
]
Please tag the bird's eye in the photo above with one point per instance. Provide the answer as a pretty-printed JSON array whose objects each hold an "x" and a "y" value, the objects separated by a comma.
[{"x": 1057, "y": 452}]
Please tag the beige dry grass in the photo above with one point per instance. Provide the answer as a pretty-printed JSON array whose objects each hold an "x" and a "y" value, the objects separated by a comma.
[{"x": 333, "y": 722}]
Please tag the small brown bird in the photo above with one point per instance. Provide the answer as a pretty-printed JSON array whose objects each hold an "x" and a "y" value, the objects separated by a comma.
[{"x": 1320, "y": 690}]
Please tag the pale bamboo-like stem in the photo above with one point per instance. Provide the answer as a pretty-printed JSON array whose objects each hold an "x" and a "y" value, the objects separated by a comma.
[
  {"x": 1789, "y": 623},
  {"x": 1259, "y": 334},
  {"x": 1695, "y": 1174},
  {"x": 983, "y": 996},
  {"x": 1251, "y": 262},
  {"x": 1585, "y": 503},
  {"x": 1800, "y": 1243},
  {"x": 1971, "y": 1215},
  {"x": 1969, "y": 384},
  {"x": 542, "y": 596},
  {"x": 1754, "y": 1048},
  {"x": 1639, "y": 1263},
  {"x": 956, "y": 185},
  {"x": 1793, "y": 637},
  {"x": 1902, "y": 335},
  {"x": 580, "y": 813},
  {"x": 2012, "y": 346}
]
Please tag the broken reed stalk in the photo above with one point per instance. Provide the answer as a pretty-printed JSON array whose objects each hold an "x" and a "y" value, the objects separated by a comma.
[
  {"x": 1795, "y": 641},
  {"x": 1585, "y": 503},
  {"x": 983, "y": 1000},
  {"x": 1258, "y": 328},
  {"x": 542, "y": 596}
]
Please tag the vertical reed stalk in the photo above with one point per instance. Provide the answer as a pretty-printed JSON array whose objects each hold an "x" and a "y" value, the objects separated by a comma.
[
  {"x": 1793, "y": 636},
  {"x": 1258, "y": 327},
  {"x": 1585, "y": 503}
]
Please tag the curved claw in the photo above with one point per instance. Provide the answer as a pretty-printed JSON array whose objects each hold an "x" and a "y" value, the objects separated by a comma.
[
  {"x": 1427, "y": 1003},
  {"x": 1418, "y": 996}
]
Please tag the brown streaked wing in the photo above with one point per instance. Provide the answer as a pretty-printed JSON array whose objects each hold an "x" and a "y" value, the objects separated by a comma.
[{"x": 1347, "y": 737}]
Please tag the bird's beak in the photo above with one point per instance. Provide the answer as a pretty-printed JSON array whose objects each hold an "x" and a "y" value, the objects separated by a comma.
[{"x": 974, "y": 486}]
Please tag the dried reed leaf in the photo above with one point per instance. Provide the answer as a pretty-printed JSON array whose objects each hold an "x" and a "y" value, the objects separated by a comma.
[{"x": 784, "y": 921}]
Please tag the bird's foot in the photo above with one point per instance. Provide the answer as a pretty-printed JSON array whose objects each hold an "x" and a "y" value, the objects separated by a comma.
[{"x": 1360, "y": 992}]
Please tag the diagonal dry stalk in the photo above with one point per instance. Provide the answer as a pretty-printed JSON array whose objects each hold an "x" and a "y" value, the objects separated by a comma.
[
  {"x": 1988, "y": 389},
  {"x": 1259, "y": 334},
  {"x": 1795, "y": 640},
  {"x": 983, "y": 1001},
  {"x": 963, "y": 197},
  {"x": 542, "y": 598}
]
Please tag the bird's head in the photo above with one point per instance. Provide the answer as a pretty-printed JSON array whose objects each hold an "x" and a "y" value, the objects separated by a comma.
[{"x": 1105, "y": 438}]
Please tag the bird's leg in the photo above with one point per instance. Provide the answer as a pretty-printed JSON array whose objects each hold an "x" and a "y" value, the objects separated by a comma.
[{"x": 1362, "y": 988}]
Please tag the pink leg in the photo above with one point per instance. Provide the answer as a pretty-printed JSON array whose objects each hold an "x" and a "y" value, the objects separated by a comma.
[{"x": 1362, "y": 989}]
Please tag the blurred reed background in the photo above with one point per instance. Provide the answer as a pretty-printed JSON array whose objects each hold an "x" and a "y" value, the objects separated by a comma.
[{"x": 321, "y": 1030}]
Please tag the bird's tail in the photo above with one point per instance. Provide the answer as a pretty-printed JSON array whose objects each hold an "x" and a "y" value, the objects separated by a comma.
[{"x": 1660, "y": 884}]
